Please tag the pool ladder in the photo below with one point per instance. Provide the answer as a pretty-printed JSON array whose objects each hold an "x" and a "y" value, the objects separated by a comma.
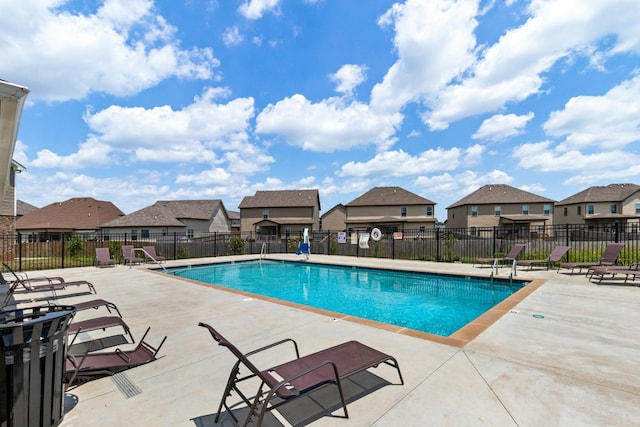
[{"x": 263, "y": 250}]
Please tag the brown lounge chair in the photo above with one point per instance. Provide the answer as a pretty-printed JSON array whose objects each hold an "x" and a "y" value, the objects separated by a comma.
[
  {"x": 600, "y": 271},
  {"x": 555, "y": 256},
  {"x": 102, "y": 322},
  {"x": 150, "y": 251},
  {"x": 22, "y": 285},
  {"x": 103, "y": 258},
  {"x": 90, "y": 366},
  {"x": 96, "y": 304},
  {"x": 507, "y": 259},
  {"x": 128, "y": 254},
  {"x": 608, "y": 258},
  {"x": 299, "y": 376}
]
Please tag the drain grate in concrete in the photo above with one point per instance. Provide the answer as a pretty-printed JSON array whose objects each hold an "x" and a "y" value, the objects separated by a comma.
[{"x": 125, "y": 385}]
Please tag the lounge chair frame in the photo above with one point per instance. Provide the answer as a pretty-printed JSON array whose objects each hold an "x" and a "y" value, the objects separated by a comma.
[
  {"x": 600, "y": 271},
  {"x": 609, "y": 257},
  {"x": 515, "y": 251},
  {"x": 103, "y": 258},
  {"x": 90, "y": 366},
  {"x": 555, "y": 256},
  {"x": 297, "y": 377}
]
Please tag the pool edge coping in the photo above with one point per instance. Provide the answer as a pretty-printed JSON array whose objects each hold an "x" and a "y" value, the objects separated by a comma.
[{"x": 458, "y": 339}]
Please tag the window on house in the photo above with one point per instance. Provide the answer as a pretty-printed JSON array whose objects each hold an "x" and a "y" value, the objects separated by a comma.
[
  {"x": 190, "y": 233},
  {"x": 265, "y": 213},
  {"x": 525, "y": 209},
  {"x": 474, "y": 211},
  {"x": 579, "y": 210},
  {"x": 105, "y": 234},
  {"x": 565, "y": 211},
  {"x": 637, "y": 208},
  {"x": 429, "y": 210},
  {"x": 134, "y": 234},
  {"x": 287, "y": 231},
  {"x": 403, "y": 211},
  {"x": 591, "y": 209},
  {"x": 614, "y": 208},
  {"x": 546, "y": 210},
  {"x": 144, "y": 234},
  {"x": 497, "y": 210},
  {"x": 473, "y": 231}
]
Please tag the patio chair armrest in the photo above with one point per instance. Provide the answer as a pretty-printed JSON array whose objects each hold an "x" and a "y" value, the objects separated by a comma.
[
  {"x": 123, "y": 356},
  {"x": 275, "y": 344}
]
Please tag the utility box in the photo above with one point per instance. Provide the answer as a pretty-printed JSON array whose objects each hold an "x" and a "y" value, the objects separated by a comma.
[{"x": 32, "y": 365}]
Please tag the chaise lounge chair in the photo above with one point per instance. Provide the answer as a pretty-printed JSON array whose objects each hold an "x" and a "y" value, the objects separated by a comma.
[
  {"x": 90, "y": 366},
  {"x": 555, "y": 256},
  {"x": 299, "y": 376},
  {"x": 95, "y": 304},
  {"x": 150, "y": 251},
  {"x": 128, "y": 254},
  {"x": 103, "y": 258},
  {"x": 102, "y": 322},
  {"x": 25, "y": 285},
  {"x": 600, "y": 271},
  {"x": 507, "y": 259},
  {"x": 608, "y": 258}
]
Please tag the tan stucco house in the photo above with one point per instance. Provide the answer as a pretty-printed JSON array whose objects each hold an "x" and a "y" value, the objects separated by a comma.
[
  {"x": 189, "y": 218},
  {"x": 390, "y": 209},
  {"x": 613, "y": 203},
  {"x": 280, "y": 214},
  {"x": 519, "y": 212}
]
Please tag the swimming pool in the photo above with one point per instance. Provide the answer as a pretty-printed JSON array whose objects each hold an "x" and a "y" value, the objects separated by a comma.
[{"x": 433, "y": 303}]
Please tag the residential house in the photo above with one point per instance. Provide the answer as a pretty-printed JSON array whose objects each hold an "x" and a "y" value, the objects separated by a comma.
[
  {"x": 517, "y": 212},
  {"x": 601, "y": 206},
  {"x": 23, "y": 208},
  {"x": 234, "y": 217},
  {"x": 187, "y": 218},
  {"x": 390, "y": 209},
  {"x": 8, "y": 205},
  {"x": 280, "y": 214},
  {"x": 80, "y": 215},
  {"x": 335, "y": 219}
]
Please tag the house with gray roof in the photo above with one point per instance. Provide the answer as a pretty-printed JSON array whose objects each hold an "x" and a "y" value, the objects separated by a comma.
[
  {"x": 280, "y": 214},
  {"x": 335, "y": 219},
  {"x": 189, "y": 218},
  {"x": 79, "y": 215},
  {"x": 519, "y": 212},
  {"x": 390, "y": 209},
  {"x": 613, "y": 203}
]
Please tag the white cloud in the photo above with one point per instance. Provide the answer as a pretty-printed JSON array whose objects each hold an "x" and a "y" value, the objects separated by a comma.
[
  {"x": 254, "y": 9},
  {"x": 456, "y": 186},
  {"x": 329, "y": 125},
  {"x": 348, "y": 77},
  {"x": 513, "y": 69},
  {"x": 435, "y": 43},
  {"x": 232, "y": 36},
  {"x": 90, "y": 153},
  {"x": 609, "y": 122},
  {"x": 122, "y": 49},
  {"x": 502, "y": 126},
  {"x": 399, "y": 163}
]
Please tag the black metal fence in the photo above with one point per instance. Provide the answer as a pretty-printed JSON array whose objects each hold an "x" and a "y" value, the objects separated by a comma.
[{"x": 439, "y": 244}]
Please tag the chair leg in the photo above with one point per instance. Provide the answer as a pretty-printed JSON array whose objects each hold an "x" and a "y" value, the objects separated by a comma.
[{"x": 233, "y": 376}]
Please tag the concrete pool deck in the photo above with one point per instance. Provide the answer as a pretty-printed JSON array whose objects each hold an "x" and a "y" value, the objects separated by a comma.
[{"x": 574, "y": 363}]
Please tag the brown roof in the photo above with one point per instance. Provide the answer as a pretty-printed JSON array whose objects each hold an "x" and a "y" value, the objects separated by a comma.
[
  {"x": 606, "y": 193},
  {"x": 168, "y": 213},
  {"x": 23, "y": 208},
  {"x": 492, "y": 194},
  {"x": 389, "y": 196},
  {"x": 281, "y": 199},
  {"x": 80, "y": 213}
]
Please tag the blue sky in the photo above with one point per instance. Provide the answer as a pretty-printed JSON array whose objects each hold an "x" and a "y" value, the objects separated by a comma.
[{"x": 134, "y": 101}]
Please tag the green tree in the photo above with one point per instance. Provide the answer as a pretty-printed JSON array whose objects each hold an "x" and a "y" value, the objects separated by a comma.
[{"x": 75, "y": 246}]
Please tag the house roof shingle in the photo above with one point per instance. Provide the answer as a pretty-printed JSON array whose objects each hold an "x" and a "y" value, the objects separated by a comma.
[
  {"x": 492, "y": 194},
  {"x": 281, "y": 199},
  {"x": 605, "y": 193},
  {"x": 23, "y": 208},
  {"x": 168, "y": 213},
  {"x": 80, "y": 213},
  {"x": 389, "y": 196}
]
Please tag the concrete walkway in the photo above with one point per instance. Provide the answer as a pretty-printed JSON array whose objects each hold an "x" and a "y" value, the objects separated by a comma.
[{"x": 574, "y": 363}]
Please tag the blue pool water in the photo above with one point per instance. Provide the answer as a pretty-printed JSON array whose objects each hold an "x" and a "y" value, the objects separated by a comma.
[{"x": 438, "y": 304}]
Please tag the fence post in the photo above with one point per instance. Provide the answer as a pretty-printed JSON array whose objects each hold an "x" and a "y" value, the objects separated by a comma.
[
  {"x": 438, "y": 244},
  {"x": 495, "y": 242},
  {"x": 566, "y": 234},
  {"x": 215, "y": 244},
  {"x": 20, "y": 251},
  {"x": 62, "y": 250}
]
